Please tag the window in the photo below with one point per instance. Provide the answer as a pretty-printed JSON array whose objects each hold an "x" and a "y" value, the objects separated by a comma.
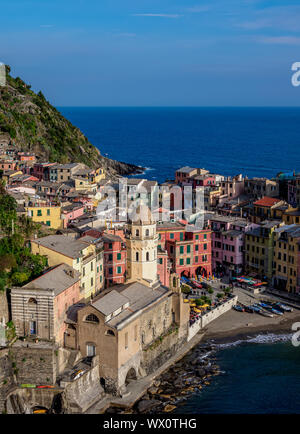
[
  {"x": 180, "y": 261},
  {"x": 188, "y": 261},
  {"x": 137, "y": 256},
  {"x": 160, "y": 261},
  {"x": 196, "y": 258},
  {"x": 205, "y": 236},
  {"x": 92, "y": 318},
  {"x": 110, "y": 257},
  {"x": 135, "y": 332},
  {"x": 48, "y": 211},
  {"x": 197, "y": 247},
  {"x": 48, "y": 223},
  {"x": 197, "y": 237},
  {"x": 39, "y": 212},
  {"x": 119, "y": 270},
  {"x": 147, "y": 256},
  {"x": 92, "y": 281},
  {"x": 188, "y": 248},
  {"x": 110, "y": 271},
  {"x": 92, "y": 266},
  {"x": 119, "y": 256},
  {"x": 181, "y": 249},
  {"x": 109, "y": 333},
  {"x": 83, "y": 272},
  {"x": 181, "y": 236},
  {"x": 147, "y": 232},
  {"x": 137, "y": 233},
  {"x": 90, "y": 350},
  {"x": 205, "y": 246},
  {"x": 171, "y": 236},
  {"x": 110, "y": 245}
]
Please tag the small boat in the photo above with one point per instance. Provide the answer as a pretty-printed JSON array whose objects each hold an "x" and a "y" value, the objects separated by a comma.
[
  {"x": 256, "y": 309},
  {"x": 265, "y": 313},
  {"x": 40, "y": 411},
  {"x": 28, "y": 386},
  {"x": 249, "y": 309},
  {"x": 282, "y": 307},
  {"x": 238, "y": 308}
]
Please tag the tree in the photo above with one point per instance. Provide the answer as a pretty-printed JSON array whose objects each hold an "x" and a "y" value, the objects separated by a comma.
[{"x": 8, "y": 214}]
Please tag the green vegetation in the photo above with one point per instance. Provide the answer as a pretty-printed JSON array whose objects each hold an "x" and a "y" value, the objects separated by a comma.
[
  {"x": 33, "y": 123},
  {"x": 17, "y": 264},
  {"x": 220, "y": 295},
  {"x": 185, "y": 289}
]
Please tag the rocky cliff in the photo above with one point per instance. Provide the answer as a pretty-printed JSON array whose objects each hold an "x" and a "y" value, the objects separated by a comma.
[{"x": 33, "y": 124}]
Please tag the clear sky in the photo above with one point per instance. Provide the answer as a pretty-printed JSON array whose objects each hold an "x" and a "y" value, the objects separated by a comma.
[{"x": 154, "y": 52}]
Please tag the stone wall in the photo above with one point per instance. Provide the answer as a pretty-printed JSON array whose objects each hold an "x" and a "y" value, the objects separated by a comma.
[
  {"x": 210, "y": 316},
  {"x": 6, "y": 377},
  {"x": 4, "y": 306},
  {"x": 80, "y": 394},
  {"x": 36, "y": 365},
  {"x": 162, "y": 349}
]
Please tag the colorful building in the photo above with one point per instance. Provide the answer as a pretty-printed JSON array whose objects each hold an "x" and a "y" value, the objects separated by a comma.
[
  {"x": 46, "y": 214},
  {"x": 286, "y": 258},
  {"x": 259, "y": 250},
  {"x": 115, "y": 256},
  {"x": 188, "y": 251},
  {"x": 77, "y": 254},
  {"x": 39, "y": 308}
]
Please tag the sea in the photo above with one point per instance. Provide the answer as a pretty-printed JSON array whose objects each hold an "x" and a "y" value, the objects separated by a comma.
[
  {"x": 261, "y": 374},
  {"x": 229, "y": 141}
]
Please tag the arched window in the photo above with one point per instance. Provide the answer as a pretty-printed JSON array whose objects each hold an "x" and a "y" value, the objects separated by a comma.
[
  {"x": 137, "y": 233},
  {"x": 92, "y": 318},
  {"x": 137, "y": 256},
  {"x": 147, "y": 232},
  {"x": 109, "y": 333},
  {"x": 147, "y": 256},
  {"x": 32, "y": 301}
]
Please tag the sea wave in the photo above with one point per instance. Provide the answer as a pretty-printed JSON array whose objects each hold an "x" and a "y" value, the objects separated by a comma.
[{"x": 268, "y": 338}]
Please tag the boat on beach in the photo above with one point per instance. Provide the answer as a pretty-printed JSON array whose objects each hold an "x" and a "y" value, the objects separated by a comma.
[
  {"x": 270, "y": 308},
  {"x": 238, "y": 308}
]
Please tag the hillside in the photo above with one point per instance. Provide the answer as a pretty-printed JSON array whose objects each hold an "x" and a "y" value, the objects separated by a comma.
[{"x": 33, "y": 124}]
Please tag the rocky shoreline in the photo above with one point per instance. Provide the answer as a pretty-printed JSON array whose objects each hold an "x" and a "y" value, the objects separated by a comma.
[{"x": 178, "y": 383}]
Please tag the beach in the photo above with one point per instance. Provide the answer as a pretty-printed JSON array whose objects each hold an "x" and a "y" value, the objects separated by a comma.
[{"x": 233, "y": 324}]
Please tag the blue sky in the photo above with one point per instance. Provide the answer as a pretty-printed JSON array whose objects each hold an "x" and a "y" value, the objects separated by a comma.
[{"x": 154, "y": 52}]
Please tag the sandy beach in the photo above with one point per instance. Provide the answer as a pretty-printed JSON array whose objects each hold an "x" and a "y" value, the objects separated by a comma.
[{"x": 235, "y": 324}]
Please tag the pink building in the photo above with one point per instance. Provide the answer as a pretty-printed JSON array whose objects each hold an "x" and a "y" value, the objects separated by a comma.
[
  {"x": 228, "y": 244},
  {"x": 41, "y": 171},
  {"x": 71, "y": 212},
  {"x": 163, "y": 267},
  {"x": 39, "y": 308}
]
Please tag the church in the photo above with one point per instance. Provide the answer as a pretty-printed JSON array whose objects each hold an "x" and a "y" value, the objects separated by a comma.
[{"x": 133, "y": 327}]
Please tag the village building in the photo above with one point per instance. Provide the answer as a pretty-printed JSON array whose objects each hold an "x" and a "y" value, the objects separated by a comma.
[
  {"x": 39, "y": 307},
  {"x": 122, "y": 323},
  {"x": 79, "y": 255},
  {"x": 286, "y": 258}
]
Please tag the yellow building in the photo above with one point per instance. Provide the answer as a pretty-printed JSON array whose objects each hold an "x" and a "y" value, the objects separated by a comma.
[
  {"x": 99, "y": 174},
  {"x": 79, "y": 255},
  {"x": 259, "y": 249},
  {"x": 286, "y": 250},
  {"x": 291, "y": 216},
  {"x": 48, "y": 215},
  {"x": 82, "y": 184}
]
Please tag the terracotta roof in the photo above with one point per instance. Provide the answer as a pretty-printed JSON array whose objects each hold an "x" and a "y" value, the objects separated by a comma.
[{"x": 267, "y": 201}]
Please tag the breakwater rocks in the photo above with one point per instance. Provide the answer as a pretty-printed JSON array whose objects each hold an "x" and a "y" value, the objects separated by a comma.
[{"x": 186, "y": 377}]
